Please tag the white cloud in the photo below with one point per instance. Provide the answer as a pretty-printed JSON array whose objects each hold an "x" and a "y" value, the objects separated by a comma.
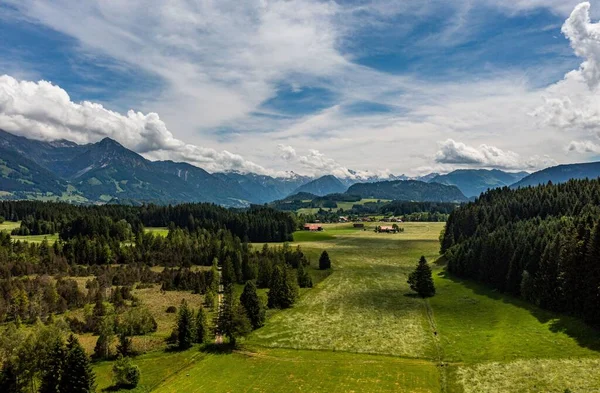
[
  {"x": 573, "y": 104},
  {"x": 217, "y": 62},
  {"x": 584, "y": 147},
  {"x": 44, "y": 111},
  {"x": 452, "y": 152},
  {"x": 585, "y": 41},
  {"x": 287, "y": 152}
]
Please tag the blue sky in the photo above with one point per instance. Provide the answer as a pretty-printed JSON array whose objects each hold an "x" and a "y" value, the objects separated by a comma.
[{"x": 311, "y": 86}]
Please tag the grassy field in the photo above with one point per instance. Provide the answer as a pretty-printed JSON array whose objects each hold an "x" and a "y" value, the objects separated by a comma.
[
  {"x": 361, "y": 330},
  {"x": 9, "y": 225}
]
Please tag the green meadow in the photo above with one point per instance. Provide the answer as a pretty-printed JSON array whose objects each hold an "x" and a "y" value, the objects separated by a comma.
[{"x": 362, "y": 330}]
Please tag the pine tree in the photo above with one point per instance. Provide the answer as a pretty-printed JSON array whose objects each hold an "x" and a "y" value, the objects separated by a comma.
[
  {"x": 324, "y": 261},
  {"x": 78, "y": 376},
  {"x": 105, "y": 338},
  {"x": 201, "y": 326},
  {"x": 53, "y": 368},
  {"x": 421, "y": 279},
  {"x": 284, "y": 288},
  {"x": 185, "y": 327},
  {"x": 253, "y": 306},
  {"x": 304, "y": 279},
  {"x": 125, "y": 346},
  {"x": 240, "y": 324}
]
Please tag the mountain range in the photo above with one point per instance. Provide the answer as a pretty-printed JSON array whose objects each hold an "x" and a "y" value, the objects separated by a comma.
[
  {"x": 107, "y": 172},
  {"x": 472, "y": 182}
]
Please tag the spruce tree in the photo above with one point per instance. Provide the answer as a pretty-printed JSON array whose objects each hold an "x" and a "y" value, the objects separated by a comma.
[
  {"x": 304, "y": 279},
  {"x": 324, "y": 261},
  {"x": 253, "y": 306},
  {"x": 421, "y": 279},
  {"x": 201, "y": 326},
  {"x": 284, "y": 288},
  {"x": 53, "y": 368},
  {"x": 185, "y": 327},
  {"x": 125, "y": 346},
  {"x": 78, "y": 376}
]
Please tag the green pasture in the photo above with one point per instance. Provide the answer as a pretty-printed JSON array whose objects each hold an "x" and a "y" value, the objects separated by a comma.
[{"x": 362, "y": 330}]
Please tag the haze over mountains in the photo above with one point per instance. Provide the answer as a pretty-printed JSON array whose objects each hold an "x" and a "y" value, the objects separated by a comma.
[{"x": 107, "y": 172}]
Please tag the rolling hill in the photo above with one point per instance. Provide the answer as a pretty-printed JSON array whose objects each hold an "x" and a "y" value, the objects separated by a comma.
[
  {"x": 408, "y": 190},
  {"x": 472, "y": 182},
  {"x": 561, "y": 174}
]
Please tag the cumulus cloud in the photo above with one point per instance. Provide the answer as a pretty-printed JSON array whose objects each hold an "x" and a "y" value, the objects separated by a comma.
[
  {"x": 457, "y": 153},
  {"x": 585, "y": 41},
  {"x": 573, "y": 104},
  {"x": 287, "y": 152},
  {"x": 584, "y": 147},
  {"x": 44, "y": 111}
]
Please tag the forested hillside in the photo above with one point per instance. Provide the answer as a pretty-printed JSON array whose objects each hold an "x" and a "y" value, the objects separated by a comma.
[
  {"x": 408, "y": 190},
  {"x": 540, "y": 243}
]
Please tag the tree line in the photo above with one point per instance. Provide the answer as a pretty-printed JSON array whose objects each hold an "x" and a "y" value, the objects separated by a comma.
[
  {"x": 540, "y": 243},
  {"x": 255, "y": 224}
]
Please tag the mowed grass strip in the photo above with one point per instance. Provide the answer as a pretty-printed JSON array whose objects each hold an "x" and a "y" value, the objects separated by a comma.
[
  {"x": 365, "y": 306},
  {"x": 279, "y": 370},
  {"x": 532, "y": 376}
]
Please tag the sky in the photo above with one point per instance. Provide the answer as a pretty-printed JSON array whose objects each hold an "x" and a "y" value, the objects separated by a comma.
[{"x": 353, "y": 88}]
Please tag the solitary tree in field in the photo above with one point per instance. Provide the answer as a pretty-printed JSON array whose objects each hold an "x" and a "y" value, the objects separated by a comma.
[
  {"x": 78, "y": 376},
  {"x": 421, "y": 280},
  {"x": 252, "y": 305},
  {"x": 324, "y": 261}
]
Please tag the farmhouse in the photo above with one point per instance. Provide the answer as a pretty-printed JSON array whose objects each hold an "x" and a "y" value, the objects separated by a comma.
[
  {"x": 313, "y": 227},
  {"x": 386, "y": 229},
  {"x": 343, "y": 219}
]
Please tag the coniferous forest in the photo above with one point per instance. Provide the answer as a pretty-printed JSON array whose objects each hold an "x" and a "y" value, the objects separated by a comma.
[{"x": 539, "y": 243}]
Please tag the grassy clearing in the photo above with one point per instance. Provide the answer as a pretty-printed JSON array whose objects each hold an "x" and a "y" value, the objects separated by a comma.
[
  {"x": 159, "y": 231},
  {"x": 37, "y": 238},
  {"x": 363, "y": 306},
  {"x": 9, "y": 225},
  {"x": 302, "y": 371}
]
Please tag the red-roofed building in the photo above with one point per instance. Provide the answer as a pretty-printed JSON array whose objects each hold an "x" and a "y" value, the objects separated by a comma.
[{"x": 313, "y": 227}]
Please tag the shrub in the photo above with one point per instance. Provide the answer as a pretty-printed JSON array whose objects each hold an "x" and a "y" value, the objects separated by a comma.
[
  {"x": 171, "y": 310},
  {"x": 125, "y": 373}
]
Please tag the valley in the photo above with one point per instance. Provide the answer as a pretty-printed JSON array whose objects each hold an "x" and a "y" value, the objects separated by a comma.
[{"x": 361, "y": 330}]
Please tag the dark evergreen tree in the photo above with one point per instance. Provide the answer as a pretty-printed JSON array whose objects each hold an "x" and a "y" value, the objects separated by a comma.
[
  {"x": 324, "y": 261},
  {"x": 304, "y": 279},
  {"x": 53, "y": 368},
  {"x": 185, "y": 327},
  {"x": 125, "y": 346},
  {"x": 284, "y": 288},
  {"x": 421, "y": 280},
  {"x": 78, "y": 376},
  {"x": 201, "y": 326},
  {"x": 253, "y": 306}
]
